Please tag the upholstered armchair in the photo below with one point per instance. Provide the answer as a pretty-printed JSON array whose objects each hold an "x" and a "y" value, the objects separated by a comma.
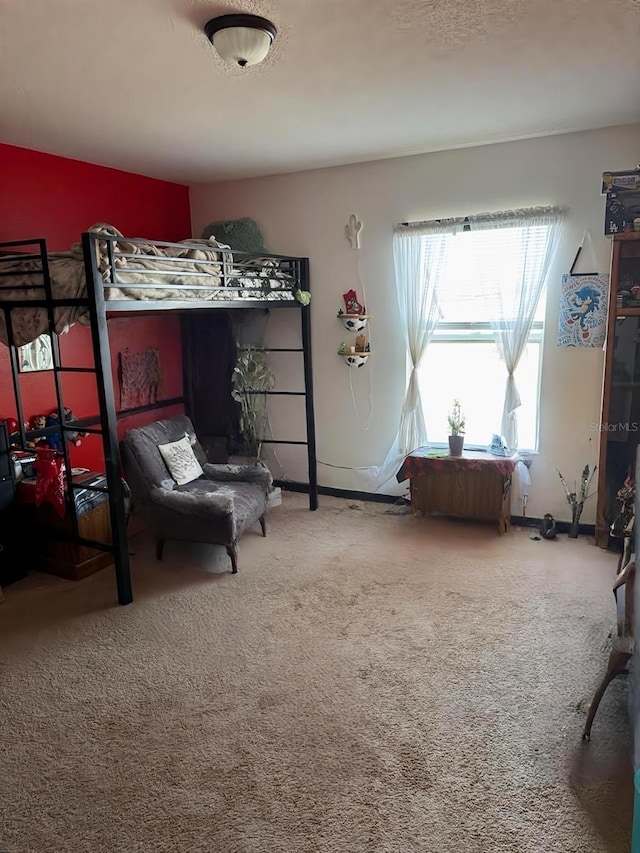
[{"x": 215, "y": 507}]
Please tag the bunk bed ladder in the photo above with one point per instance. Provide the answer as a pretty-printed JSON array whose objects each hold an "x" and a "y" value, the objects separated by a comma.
[
  {"x": 108, "y": 425},
  {"x": 108, "y": 419},
  {"x": 310, "y": 443},
  {"x": 308, "y": 391},
  {"x": 62, "y": 428}
]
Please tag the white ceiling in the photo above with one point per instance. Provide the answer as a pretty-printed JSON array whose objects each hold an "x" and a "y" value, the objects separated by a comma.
[{"x": 135, "y": 83}]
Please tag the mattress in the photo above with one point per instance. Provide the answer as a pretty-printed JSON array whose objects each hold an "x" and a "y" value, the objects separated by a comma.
[{"x": 135, "y": 270}]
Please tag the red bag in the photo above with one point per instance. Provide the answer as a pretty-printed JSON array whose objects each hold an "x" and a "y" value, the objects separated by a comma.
[
  {"x": 49, "y": 468},
  {"x": 351, "y": 303}
]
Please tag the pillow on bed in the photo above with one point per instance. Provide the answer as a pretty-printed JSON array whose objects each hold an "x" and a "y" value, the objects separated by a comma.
[
  {"x": 181, "y": 461},
  {"x": 241, "y": 234}
]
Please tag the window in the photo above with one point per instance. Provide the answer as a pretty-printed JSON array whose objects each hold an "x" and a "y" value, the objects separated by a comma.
[{"x": 478, "y": 297}]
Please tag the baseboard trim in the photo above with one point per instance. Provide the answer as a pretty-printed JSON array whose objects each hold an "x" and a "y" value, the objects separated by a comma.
[
  {"x": 516, "y": 520},
  {"x": 561, "y": 526}
]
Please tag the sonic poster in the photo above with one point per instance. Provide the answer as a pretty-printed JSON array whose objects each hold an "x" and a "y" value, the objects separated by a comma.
[{"x": 583, "y": 311}]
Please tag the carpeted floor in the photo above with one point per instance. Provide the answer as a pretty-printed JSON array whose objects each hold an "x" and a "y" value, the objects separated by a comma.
[{"x": 369, "y": 681}]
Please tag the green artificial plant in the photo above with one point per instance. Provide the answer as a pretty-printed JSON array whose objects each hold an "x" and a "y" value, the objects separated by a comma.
[
  {"x": 456, "y": 419},
  {"x": 250, "y": 379}
]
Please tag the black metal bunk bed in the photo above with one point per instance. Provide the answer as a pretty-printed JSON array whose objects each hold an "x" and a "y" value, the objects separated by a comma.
[{"x": 124, "y": 276}]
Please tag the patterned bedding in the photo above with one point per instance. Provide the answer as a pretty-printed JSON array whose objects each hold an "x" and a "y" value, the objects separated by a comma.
[{"x": 193, "y": 271}]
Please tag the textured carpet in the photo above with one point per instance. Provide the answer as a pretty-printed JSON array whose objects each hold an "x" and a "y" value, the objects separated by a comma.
[{"x": 369, "y": 681}]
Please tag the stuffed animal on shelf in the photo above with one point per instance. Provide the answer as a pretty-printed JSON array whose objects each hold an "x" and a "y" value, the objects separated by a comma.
[
  {"x": 12, "y": 425},
  {"x": 37, "y": 422},
  {"x": 351, "y": 303},
  {"x": 55, "y": 439}
]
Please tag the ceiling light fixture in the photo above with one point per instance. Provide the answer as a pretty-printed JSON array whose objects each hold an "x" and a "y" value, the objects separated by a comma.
[{"x": 241, "y": 39}]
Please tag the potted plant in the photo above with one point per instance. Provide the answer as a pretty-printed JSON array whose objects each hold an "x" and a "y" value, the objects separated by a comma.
[
  {"x": 577, "y": 497},
  {"x": 251, "y": 378},
  {"x": 456, "y": 429}
]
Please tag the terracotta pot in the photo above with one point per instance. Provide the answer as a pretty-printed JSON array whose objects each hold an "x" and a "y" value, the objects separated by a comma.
[{"x": 456, "y": 443}]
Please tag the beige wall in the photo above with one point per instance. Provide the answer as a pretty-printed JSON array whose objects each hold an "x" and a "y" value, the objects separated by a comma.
[{"x": 305, "y": 214}]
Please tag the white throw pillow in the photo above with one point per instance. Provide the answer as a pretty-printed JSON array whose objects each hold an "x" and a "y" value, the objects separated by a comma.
[{"x": 181, "y": 461}]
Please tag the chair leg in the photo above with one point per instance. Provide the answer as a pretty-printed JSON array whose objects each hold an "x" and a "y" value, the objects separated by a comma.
[
  {"x": 159, "y": 548},
  {"x": 232, "y": 551},
  {"x": 263, "y": 525},
  {"x": 616, "y": 666}
]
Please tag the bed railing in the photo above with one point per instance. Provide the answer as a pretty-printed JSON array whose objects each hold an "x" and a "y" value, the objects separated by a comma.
[{"x": 246, "y": 274}]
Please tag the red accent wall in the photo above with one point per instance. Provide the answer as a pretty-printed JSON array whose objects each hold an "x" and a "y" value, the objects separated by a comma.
[{"x": 42, "y": 195}]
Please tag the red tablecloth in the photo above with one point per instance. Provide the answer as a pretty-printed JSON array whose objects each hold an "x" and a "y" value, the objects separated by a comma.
[{"x": 419, "y": 462}]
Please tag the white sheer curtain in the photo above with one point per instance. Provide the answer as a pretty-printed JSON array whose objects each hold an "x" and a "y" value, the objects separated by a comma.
[
  {"x": 418, "y": 257},
  {"x": 419, "y": 254},
  {"x": 513, "y": 252}
]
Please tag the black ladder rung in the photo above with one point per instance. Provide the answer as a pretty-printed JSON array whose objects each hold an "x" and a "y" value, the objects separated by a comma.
[
  {"x": 279, "y": 441},
  {"x": 8, "y": 286},
  {"x": 9, "y": 305},
  {"x": 34, "y": 241},
  {"x": 37, "y": 433},
  {"x": 72, "y": 426},
  {"x": 22, "y": 287},
  {"x": 61, "y": 369},
  {"x": 271, "y": 349},
  {"x": 90, "y": 488},
  {"x": 138, "y": 410},
  {"x": 280, "y": 393}
]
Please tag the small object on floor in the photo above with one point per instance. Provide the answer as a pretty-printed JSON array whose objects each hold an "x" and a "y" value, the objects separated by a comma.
[
  {"x": 535, "y": 537},
  {"x": 54, "y": 440},
  {"x": 274, "y": 498},
  {"x": 548, "y": 527},
  {"x": 402, "y": 506}
]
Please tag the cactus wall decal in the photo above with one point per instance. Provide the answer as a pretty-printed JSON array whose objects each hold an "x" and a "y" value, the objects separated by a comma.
[{"x": 352, "y": 230}]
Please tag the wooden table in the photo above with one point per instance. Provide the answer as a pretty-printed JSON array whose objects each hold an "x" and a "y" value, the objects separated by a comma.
[
  {"x": 475, "y": 485},
  {"x": 67, "y": 559}
]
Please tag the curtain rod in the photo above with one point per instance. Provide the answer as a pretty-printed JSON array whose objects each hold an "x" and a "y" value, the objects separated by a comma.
[{"x": 466, "y": 221}]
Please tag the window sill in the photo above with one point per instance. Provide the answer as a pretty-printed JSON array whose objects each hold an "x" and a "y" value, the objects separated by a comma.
[{"x": 527, "y": 455}]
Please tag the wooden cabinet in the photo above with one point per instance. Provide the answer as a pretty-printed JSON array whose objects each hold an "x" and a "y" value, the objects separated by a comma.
[
  {"x": 619, "y": 426},
  {"x": 62, "y": 556},
  {"x": 479, "y": 495},
  {"x": 475, "y": 485}
]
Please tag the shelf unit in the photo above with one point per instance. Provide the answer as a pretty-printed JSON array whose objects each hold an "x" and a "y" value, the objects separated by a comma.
[
  {"x": 620, "y": 413},
  {"x": 356, "y": 324}
]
